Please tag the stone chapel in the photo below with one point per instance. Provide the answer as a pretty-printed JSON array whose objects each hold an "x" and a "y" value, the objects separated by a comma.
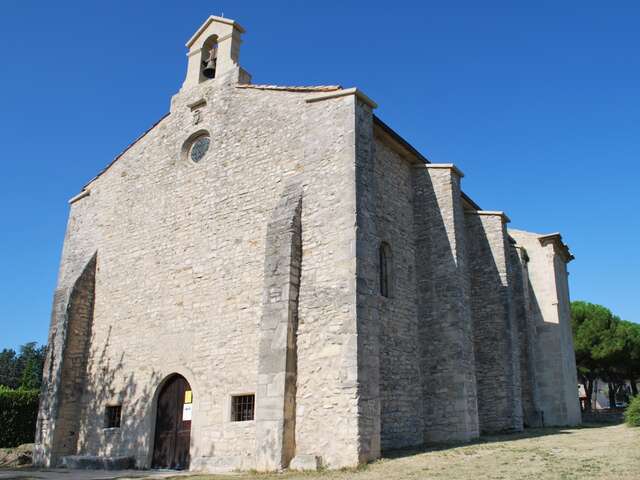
[{"x": 271, "y": 277}]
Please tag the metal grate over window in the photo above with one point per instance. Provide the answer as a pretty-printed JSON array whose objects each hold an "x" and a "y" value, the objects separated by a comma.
[
  {"x": 199, "y": 148},
  {"x": 242, "y": 408},
  {"x": 112, "y": 416}
]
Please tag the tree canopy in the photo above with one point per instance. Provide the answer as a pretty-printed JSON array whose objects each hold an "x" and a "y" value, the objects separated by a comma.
[
  {"x": 23, "y": 369},
  {"x": 606, "y": 348}
]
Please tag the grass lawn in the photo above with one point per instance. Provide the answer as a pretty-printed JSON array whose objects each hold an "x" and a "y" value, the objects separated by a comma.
[{"x": 586, "y": 453}]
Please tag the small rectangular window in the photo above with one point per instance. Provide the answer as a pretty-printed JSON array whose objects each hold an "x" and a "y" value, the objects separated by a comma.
[
  {"x": 385, "y": 266},
  {"x": 112, "y": 416},
  {"x": 242, "y": 407}
]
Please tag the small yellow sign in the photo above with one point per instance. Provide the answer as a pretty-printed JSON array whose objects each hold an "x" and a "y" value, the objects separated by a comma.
[{"x": 188, "y": 396}]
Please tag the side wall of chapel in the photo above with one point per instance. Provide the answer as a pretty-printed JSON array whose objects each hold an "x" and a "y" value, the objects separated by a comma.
[{"x": 461, "y": 302}]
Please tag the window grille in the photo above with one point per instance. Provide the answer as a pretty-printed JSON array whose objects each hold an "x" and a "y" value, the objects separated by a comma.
[
  {"x": 112, "y": 416},
  {"x": 242, "y": 408}
]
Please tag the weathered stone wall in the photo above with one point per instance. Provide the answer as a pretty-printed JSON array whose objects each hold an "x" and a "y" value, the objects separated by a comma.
[
  {"x": 444, "y": 318},
  {"x": 554, "y": 355},
  {"x": 327, "y": 391},
  {"x": 496, "y": 336},
  {"x": 74, "y": 361},
  {"x": 526, "y": 335},
  {"x": 368, "y": 319},
  {"x": 278, "y": 358},
  {"x": 569, "y": 388},
  {"x": 180, "y": 273},
  {"x": 385, "y": 215},
  {"x": 77, "y": 254}
]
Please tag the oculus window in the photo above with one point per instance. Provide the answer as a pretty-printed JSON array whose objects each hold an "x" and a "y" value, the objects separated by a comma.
[{"x": 199, "y": 148}]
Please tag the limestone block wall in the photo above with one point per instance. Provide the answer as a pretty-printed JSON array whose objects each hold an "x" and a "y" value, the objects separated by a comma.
[
  {"x": 496, "y": 336},
  {"x": 384, "y": 192},
  {"x": 527, "y": 334},
  {"x": 549, "y": 306},
  {"x": 278, "y": 358},
  {"x": 180, "y": 274},
  {"x": 444, "y": 317},
  {"x": 70, "y": 317},
  {"x": 368, "y": 318},
  {"x": 327, "y": 389},
  {"x": 74, "y": 361},
  {"x": 568, "y": 363}
]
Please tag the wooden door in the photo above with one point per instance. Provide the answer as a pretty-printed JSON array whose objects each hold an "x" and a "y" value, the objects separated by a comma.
[{"x": 172, "y": 439}]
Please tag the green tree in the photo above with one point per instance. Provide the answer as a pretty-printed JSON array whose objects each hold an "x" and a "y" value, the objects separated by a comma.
[
  {"x": 8, "y": 368},
  {"x": 23, "y": 370},
  {"x": 628, "y": 334},
  {"x": 597, "y": 347},
  {"x": 606, "y": 348},
  {"x": 31, "y": 378},
  {"x": 31, "y": 362}
]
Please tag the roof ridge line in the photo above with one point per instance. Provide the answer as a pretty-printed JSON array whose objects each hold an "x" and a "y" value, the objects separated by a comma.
[{"x": 291, "y": 88}]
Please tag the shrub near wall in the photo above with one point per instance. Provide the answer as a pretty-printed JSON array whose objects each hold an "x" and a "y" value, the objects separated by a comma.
[
  {"x": 18, "y": 414},
  {"x": 632, "y": 413}
]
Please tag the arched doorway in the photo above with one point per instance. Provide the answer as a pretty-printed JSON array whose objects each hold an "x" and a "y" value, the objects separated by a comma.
[{"x": 173, "y": 424}]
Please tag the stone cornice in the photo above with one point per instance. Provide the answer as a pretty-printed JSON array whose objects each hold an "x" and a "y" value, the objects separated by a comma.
[
  {"x": 493, "y": 213},
  {"x": 449, "y": 166},
  {"x": 559, "y": 246},
  {"x": 80, "y": 196},
  {"x": 342, "y": 93}
]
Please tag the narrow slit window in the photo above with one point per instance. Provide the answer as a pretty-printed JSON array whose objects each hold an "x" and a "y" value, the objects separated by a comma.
[
  {"x": 242, "y": 408},
  {"x": 385, "y": 269},
  {"x": 112, "y": 416}
]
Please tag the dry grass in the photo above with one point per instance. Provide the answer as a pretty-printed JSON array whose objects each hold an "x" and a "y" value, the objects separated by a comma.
[{"x": 594, "y": 453}]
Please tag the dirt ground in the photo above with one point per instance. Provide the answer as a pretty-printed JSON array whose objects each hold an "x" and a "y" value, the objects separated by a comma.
[
  {"x": 16, "y": 457},
  {"x": 604, "y": 452},
  {"x": 594, "y": 453}
]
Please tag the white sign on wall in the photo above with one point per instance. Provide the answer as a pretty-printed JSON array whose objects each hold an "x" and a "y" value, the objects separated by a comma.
[{"x": 187, "y": 412}]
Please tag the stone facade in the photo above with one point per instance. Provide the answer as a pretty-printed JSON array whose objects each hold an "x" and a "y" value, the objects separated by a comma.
[{"x": 255, "y": 268}]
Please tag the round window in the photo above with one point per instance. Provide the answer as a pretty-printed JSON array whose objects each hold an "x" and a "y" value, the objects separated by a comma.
[{"x": 199, "y": 148}]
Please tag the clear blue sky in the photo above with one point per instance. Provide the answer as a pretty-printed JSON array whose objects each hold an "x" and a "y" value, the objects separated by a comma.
[{"x": 538, "y": 104}]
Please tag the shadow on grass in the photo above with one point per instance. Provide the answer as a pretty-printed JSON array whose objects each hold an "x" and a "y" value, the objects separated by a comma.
[{"x": 487, "y": 439}]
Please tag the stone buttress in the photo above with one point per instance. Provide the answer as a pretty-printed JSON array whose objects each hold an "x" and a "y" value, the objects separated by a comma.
[
  {"x": 277, "y": 361},
  {"x": 447, "y": 358},
  {"x": 527, "y": 334},
  {"x": 66, "y": 363},
  {"x": 549, "y": 309},
  {"x": 497, "y": 353}
]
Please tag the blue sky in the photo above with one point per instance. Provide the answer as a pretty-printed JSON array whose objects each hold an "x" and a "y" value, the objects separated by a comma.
[{"x": 537, "y": 102}]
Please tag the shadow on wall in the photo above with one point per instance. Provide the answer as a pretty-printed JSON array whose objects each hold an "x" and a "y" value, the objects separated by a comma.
[
  {"x": 88, "y": 379},
  {"x": 445, "y": 331},
  {"x": 496, "y": 346},
  {"x": 109, "y": 384},
  {"x": 105, "y": 386}
]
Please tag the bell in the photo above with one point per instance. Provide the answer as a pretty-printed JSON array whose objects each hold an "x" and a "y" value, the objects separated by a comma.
[{"x": 209, "y": 69}]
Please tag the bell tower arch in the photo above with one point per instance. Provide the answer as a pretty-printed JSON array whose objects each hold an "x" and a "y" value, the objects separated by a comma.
[{"x": 214, "y": 50}]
